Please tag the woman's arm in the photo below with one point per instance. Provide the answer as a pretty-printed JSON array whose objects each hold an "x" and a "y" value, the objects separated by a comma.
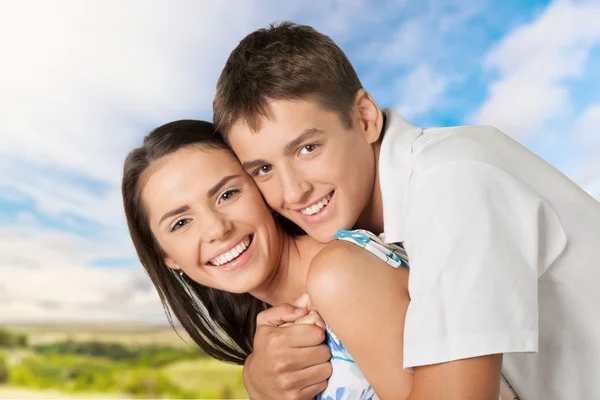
[{"x": 364, "y": 301}]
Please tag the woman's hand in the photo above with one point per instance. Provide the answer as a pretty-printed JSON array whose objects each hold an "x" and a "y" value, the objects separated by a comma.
[{"x": 312, "y": 318}]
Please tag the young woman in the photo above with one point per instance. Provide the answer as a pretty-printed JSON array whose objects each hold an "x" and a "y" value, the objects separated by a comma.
[{"x": 218, "y": 256}]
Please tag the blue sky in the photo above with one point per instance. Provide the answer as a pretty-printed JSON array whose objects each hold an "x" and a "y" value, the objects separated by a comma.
[{"x": 82, "y": 82}]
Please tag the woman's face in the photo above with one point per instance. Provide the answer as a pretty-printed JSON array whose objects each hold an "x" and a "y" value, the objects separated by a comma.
[{"x": 210, "y": 219}]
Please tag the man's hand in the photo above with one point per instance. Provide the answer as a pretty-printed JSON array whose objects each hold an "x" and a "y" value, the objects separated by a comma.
[{"x": 289, "y": 361}]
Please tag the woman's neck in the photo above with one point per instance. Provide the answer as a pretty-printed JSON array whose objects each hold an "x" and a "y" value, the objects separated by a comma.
[{"x": 288, "y": 281}]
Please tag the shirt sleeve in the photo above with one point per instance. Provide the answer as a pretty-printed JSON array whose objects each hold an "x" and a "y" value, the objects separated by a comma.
[{"x": 477, "y": 240}]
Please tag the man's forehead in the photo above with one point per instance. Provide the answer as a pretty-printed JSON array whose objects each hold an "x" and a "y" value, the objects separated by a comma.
[{"x": 296, "y": 112}]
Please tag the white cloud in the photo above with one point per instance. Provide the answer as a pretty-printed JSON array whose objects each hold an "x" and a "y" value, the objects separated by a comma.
[
  {"x": 533, "y": 96},
  {"x": 534, "y": 63},
  {"x": 77, "y": 76},
  {"x": 78, "y": 81},
  {"x": 423, "y": 34},
  {"x": 424, "y": 52},
  {"x": 43, "y": 277},
  {"x": 586, "y": 133},
  {"x": 586, "y": 128},
  {"x": 420, "y": 90}
]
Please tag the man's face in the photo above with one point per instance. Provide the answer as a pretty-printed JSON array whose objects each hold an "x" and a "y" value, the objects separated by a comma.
[{"x": 310, "y": 168}]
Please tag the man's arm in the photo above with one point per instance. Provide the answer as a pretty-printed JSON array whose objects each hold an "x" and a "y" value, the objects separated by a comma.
[
  {"x": 288, "y": 363},
  {"x": 469, "y": 379},
  {"x": 477, "y": 239}
]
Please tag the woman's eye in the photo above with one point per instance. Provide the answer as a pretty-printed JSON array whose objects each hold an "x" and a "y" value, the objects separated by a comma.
[
  {"x": 228, "y": 195},
  {"x": 179, "y": 224},
  {"x": 309, "y": 148},
  {"x": 261, "y": 171}
]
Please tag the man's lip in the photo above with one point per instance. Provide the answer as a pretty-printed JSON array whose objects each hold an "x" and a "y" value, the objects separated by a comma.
[
  {"x": 315, "y": 202},
  {"x": 323, "y": 215},
  {"x": 217, "y": 254}
]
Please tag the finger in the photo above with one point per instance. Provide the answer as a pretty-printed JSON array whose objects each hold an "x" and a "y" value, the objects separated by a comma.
[
  {"x": 313, "y": 380},
  {"x": 276, "y": 316},
  {"x": 313, "y": 318},
  {"x": 303, "y": 301},
  {"x": 301, "y": 335},
  {"x": 310, "y": 392},
  {"x": 308, "y": 357}
]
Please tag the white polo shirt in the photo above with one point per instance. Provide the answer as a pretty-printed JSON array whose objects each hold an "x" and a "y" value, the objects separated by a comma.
[{"x": 504, "y": 253}]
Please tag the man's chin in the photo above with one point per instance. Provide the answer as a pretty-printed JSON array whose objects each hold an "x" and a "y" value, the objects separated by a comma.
[{"x": 321, "y": 234}]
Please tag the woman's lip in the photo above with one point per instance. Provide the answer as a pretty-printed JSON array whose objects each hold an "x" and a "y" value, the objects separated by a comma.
[
  {"x": 240, "y": 261},
  {"x": 229, "y": 249}
]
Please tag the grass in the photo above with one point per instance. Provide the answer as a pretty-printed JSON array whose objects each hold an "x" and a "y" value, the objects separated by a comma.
[
  {"x": 9, "y": 392},
  {"x": 211, "y": 378},
  {"x": 15, "y": 356}
]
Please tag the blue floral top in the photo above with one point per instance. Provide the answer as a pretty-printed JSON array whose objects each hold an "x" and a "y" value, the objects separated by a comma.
[{"x": 347, "y": 381}]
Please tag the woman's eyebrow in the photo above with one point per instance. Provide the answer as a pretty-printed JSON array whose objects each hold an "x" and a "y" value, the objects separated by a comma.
[
  {"x": 171, "y": 213},
  {"x": 220, "y": 185}
]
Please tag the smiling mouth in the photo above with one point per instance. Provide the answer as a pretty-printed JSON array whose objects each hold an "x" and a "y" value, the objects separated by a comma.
[
  {"x": 232, "y": 254},
  {"x": 317, "y": 207}
]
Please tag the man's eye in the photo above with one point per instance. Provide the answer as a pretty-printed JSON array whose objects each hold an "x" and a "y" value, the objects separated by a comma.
[
  {"x": 309, "y": 148},
  {"x": 228, "y": 194},
  {"x": 179, "y": 224},
  {"x": 261, "y": 171}
]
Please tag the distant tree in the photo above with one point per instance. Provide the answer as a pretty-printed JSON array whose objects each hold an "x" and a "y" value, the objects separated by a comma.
[
  {"x": 22, "y": 340},
  {"x": 148, "y": 356},
  {"x": 3, "y": 368},
  {"x": 6, "y": 338},
  {"x": 9, "y": 339}
]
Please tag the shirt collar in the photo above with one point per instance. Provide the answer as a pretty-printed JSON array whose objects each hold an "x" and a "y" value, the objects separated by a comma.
[{"x": 395, "y": 167}]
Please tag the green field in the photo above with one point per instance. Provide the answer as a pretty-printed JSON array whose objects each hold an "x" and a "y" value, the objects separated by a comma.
[
  {"x": 9, "y": 392},
  {"x": 139, "y": 334},
  {"x": 110, "y": 361},
  {"x": 212, "y": 378}
]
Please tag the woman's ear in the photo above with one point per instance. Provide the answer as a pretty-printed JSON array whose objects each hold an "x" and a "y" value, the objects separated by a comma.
[{"x": 171, "y": 264}]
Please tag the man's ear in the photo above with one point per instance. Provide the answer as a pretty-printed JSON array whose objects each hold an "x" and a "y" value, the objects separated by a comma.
[{"x": 369, "y": 115}]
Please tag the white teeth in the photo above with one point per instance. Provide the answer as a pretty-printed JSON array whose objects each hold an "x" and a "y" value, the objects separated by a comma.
[
  {"x": 315, "y": 208},
  {"x": 231, "y": 254}
]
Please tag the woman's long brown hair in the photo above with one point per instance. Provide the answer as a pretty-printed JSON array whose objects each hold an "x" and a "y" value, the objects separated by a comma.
[{"x": 221, "y": 323}]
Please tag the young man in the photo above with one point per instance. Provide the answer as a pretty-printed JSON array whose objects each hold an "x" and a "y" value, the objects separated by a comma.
[{"x": 503, "y": 247}]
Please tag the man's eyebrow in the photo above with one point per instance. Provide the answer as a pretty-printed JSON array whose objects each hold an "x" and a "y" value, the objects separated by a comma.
[
  {"x": 289, "y": 148},
  {"x": 304, "y": 136},
  {"x": 171, "y": 213},
  {"x": 220, "y": 185}
]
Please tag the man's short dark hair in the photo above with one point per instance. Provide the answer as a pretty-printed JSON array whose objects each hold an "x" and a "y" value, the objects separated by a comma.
[{"x": 283, "y": 62}]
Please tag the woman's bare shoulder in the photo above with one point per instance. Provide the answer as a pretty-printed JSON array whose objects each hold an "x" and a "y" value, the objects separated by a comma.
[{"x": 342, "y": 266}]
